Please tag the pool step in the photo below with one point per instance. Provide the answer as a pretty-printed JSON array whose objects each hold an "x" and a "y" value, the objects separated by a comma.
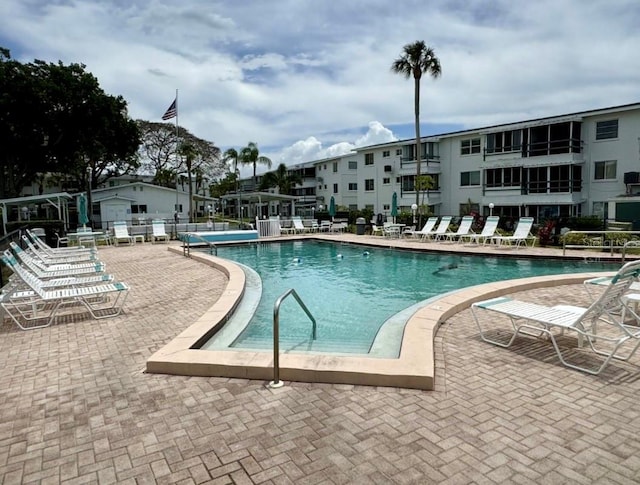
[{"x": 292, "y": 344}]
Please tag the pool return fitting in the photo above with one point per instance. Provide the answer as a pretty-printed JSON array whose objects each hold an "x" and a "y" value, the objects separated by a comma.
[{"x": 276, "y": 382}]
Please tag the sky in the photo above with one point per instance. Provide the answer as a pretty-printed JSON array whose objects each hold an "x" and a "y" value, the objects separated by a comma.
[{"x": 311, "y": 79}]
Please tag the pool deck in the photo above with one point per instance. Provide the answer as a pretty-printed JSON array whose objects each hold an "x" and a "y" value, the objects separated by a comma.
[{"x": 77, "y": 407}]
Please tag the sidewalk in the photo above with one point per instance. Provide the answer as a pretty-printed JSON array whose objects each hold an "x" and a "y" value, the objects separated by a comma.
[{"x": 75, "y": 406}]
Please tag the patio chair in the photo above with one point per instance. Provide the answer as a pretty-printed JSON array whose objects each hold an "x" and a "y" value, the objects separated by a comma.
[
  {"x": 59, "y": 258},
  {"x": 390, "y": 230},
  {"x": 440, "y": 230},
  {"x": 489, "y": 229},
  {"x": 298, "y": 226},
  {"x": 121, "y": 233},
  {"x": 521, "y": 235},
  {"x": 38, "y": 306},
  {"x": 463, "y": 230},
  {"x": 44, "y": 247},
  {"x": 428, "y": 227},
  {"x": 325, "y": 226},
  {"x": 87, "y": 240},
  {"x": 376, "y": 230},
  {"x": 542, "y": 320},
  {"x": 41, "y": 268},
  {"x": 159, "y": 232}
]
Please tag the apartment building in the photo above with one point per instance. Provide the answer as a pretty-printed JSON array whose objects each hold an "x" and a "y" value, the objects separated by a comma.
[{"x": 584, "y": 163}]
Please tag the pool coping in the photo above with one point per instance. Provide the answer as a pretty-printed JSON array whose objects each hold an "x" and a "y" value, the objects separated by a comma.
[{"x": 414, "y": 369}]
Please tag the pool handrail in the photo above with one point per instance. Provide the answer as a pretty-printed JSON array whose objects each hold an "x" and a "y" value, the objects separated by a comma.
[
  {"x": 276, "y": 333},
  {"x": 186, "y": 246}
]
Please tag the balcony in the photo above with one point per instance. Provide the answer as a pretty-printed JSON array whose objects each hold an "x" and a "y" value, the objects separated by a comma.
[{"x": 537, "y": 149}]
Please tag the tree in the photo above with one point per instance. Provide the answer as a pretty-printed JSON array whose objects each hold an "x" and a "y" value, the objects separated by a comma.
[
  {"x": 250, "y": 155},
  {"x": 231, "y": 156},
  {"x": 189, "y": 153},
  {"x": 417, "y": 59},
  {"x": 424, "y": 183},
  {"x": 281, "y": 178},
  {"x": 56, "y": 119},
  {"x": 167, "y": 154}
]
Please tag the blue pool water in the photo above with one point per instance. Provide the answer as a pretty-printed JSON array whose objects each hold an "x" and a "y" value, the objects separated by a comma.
[{"x": 352, "y": 290}]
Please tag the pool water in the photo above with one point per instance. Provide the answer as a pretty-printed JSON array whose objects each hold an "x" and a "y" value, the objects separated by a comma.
[{"x": 352, "y": 290}]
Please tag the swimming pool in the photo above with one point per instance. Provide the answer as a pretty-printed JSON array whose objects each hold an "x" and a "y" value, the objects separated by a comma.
[{"x": 352, "y": 290}]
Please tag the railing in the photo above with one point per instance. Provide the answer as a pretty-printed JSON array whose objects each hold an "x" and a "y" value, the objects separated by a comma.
[
  {"x": 629, "y": 244},
  {"x": 599, "y": 240},
  {"x": 268, "y": 227},
  {"x": 276, "y": 382},
  {"x": 186, "y": 246}
]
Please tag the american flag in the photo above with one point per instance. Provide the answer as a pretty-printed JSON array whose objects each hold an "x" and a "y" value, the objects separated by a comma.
[{"x": 172, "y": 112}]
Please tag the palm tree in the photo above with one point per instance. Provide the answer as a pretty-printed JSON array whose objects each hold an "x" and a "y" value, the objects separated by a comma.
[
  {"x": 282, "y": 179},
  {"x": 250, "y": 155},
  {"x": 417, "y": 59},
  {"x": 232, "y": 156}
]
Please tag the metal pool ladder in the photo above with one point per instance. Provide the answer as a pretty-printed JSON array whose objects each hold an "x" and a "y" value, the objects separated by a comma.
[
  {"x": 276, "y": 382},
  {"x": 186, "y": 247}
]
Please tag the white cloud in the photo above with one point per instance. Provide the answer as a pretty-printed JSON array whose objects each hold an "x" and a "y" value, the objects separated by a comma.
[{"x": 285, "y": 74}]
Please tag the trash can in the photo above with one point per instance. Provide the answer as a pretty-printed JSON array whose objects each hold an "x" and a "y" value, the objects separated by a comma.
[{"x": 360, "y": 223}]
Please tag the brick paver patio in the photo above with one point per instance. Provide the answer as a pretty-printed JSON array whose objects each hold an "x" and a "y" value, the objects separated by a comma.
[{"x": 75, "y": 406}]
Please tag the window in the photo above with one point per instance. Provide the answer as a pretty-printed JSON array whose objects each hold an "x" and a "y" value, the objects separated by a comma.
[
  {"x": 325, "y": 166},
  {"x": 138, "y": 209},
  {"x": 472, "y": 145},
  {"x": 368, "y": 158},
  {"x": 369, "y": 207},
  {"x": 353, "y": 165},
  {"x": 335, "y": 188},
  {"x": 503, "y": 177},
  {"x": 398, "y": 152},
  {"x": 601, "y": 209},
  {"x": 386, "y": 153},
  {"x": 505, "y": 141},
  {"x": 398, "y": 180},
  {"x": 369, "y": 185},
  {"x": 386, "y": 207},
  {"x": 353, "y": 186},
  {"x": 386, "y": 181},
  {"x": 606, "y": 130},
  {"x": 470, "y": 178},
  {"x": 335, "y": 167},
  {"x": 605, "y": 170},
  {"x": 408, "y": 183}
]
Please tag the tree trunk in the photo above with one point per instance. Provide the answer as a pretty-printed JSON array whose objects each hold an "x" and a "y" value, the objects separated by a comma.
[{"x": 417, "y": 152}]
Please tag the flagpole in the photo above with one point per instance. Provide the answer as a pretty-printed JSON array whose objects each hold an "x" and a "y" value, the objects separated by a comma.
[{"x": 177, "y": 164}]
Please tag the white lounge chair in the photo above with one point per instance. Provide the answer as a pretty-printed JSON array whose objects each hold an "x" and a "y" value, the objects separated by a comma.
[
  {"x": 542, "y": 320},
  {"x": 521, "y": 235},
  {"x": 298, "y": 226},
  {"x": 489, "y": 229},
  {"x": 427, "y": 228},
  {"x": 159, "y": 232},
  {"x": 45, "y": 248},
  {"x": 38, "y": 306},
  {"x": 121, "y": 233},
  {"x": 464, "y": 229},
  {"x": 42, "y": 269},
  {"x": 440, "y": 230},
  {"x": 59, "y": 258}
]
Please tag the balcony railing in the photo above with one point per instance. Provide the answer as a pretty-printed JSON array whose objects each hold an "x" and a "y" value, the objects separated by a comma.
[
  {"x": 430, "y": 158},
  {"x": 537, "y": 149},
  {"x": 566, "y": 186}
]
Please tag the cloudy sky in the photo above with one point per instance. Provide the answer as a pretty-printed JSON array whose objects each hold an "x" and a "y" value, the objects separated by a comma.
[{"x": 309, "y": 79}]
